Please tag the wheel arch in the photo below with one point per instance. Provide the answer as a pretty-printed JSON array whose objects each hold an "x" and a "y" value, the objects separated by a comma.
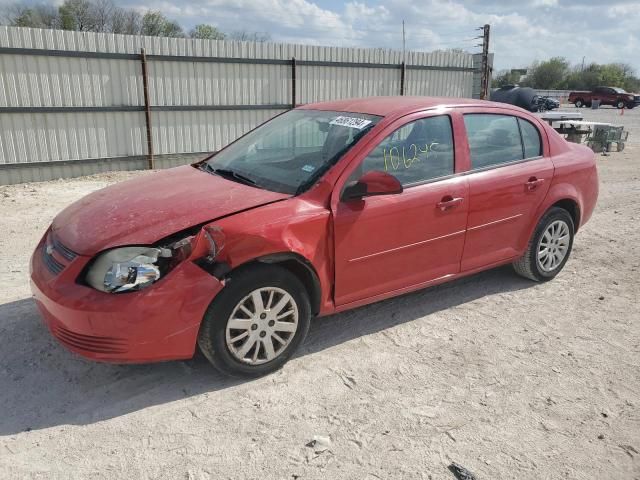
[
  {"x": 571, "y": 206},
  {"x": 562, "y": 196},
  {"x": 298, "y": 266}
]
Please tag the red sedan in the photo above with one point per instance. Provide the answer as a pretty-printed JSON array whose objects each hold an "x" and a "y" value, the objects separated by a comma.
[{"x": 322, "y": 209}]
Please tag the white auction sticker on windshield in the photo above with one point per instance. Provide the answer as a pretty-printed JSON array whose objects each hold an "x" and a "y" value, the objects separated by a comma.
[{"x": 351, "y": 122}]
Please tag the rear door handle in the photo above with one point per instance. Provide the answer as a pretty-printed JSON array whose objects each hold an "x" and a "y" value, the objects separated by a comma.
[
  {"x": 448, "y": 202},
  {"x": 534, "y": 183}
]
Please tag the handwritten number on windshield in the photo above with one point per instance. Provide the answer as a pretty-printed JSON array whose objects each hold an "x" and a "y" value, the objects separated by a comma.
[{"x": 393, "y": 159}]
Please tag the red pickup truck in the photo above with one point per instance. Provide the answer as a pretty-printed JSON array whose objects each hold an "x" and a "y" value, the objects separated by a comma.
[{"x": 613, "y": 96}]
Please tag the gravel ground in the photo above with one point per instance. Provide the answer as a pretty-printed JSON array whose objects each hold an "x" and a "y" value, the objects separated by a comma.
[{"x": 509, "y": 378}]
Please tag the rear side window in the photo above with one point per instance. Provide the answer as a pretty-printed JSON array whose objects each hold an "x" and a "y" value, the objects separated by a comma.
[
  {"x": 530, "y": 139},
  {"x": 493, "y": 139},
  {"x": 498, "y": 139}
]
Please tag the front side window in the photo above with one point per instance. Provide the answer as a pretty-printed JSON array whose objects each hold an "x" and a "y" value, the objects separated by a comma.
[
  {"x": 291, "y": 152},
  {"x": 416, "y": 152}
]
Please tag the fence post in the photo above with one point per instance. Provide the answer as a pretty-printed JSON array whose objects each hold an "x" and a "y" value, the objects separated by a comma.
[
  {"x": 403, "y": 73},
  {"x": 147, "y": 109},
  {"x": 293, "y": 82}
]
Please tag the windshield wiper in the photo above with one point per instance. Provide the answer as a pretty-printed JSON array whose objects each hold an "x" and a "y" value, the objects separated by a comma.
[{"x": 229, "y": 174}]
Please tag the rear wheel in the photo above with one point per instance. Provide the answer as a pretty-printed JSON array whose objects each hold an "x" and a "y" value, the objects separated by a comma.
[
  {"x": 549, "y": 247},
  {"x": 256, "y": 322},
  {"x": 579, "y": 103},
  {"x": 620, "y": 104}
]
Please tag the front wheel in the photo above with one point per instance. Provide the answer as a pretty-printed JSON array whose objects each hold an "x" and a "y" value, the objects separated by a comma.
[
  {"x": 579, "y": 103},
  {"x": 256, "y": 322},
  {"x": 549, "y": 247}
]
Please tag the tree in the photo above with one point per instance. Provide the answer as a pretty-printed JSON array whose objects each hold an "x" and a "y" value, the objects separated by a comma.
[
  {"x": 172, "y": 29},
  {"x": 206, "y": 32},
  {"x": 105, "y": 16},
  {"x": 155, "y": 24},
  {"x": 36, "y": 16},
  {"x": 507, "y": 77},
  {"x": 101, "y": 13},
  {"x": 76, "y": 15},
  {"x": 612, "y": 74},
  {"x": 125, "y": 21},
  {"x": 245, "y": 36},
  {"x": 547, "y": 75}
]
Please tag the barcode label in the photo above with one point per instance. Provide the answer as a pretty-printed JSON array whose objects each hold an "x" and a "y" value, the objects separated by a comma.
[{"x": 351, "y": 122}]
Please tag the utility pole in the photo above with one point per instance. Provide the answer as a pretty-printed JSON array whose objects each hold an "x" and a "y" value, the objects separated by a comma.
[
  {"x": 403, "y": 43},
  {"x": 484, "y": 85}
]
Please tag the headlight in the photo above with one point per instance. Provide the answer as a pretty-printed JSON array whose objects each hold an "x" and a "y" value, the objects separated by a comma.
[{"x": 126, "y": 269}]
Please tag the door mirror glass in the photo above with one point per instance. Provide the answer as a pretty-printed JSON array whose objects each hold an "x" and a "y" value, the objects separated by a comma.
[{"x": 372, "y": 183}]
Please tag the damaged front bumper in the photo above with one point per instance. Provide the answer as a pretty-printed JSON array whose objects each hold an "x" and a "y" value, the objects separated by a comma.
[{"x": 158, "y": 323}]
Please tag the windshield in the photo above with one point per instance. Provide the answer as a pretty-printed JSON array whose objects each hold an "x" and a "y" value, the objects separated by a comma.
[
  {"x": 289, "y": 153},
  {"x": 619, "y": 90}
]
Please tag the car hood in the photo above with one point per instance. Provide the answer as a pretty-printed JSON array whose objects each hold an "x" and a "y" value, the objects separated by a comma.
[{"x": 148, "y": 208}]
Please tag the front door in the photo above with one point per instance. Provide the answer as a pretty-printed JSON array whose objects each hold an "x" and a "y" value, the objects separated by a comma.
[{"x": 392, "y": 242}]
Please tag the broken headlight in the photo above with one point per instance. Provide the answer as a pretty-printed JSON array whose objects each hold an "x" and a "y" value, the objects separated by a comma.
[{"x": 127, "y": 269}]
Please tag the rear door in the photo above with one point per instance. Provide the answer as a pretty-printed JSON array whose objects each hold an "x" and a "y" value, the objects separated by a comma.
[
  {"x": 387, "y": 243},
  {"x": 509, "y": 178}
]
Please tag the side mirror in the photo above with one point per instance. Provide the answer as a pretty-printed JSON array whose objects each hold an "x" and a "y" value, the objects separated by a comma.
[{"x": 372, "y": 183}]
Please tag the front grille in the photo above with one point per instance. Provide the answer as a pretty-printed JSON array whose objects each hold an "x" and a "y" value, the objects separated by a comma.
[
  {"x": 55, "y": 255},
  {"x": 52, "y": 264},
  {"x": 90, "y": 343},
  {"x": 61, "y": 249}
]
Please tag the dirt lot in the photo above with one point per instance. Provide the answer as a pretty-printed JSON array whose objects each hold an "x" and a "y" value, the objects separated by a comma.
[{"x": 510, "y": 378}]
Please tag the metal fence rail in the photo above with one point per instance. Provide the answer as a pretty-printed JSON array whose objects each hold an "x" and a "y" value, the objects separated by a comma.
[{"x": 94, "y": 98}]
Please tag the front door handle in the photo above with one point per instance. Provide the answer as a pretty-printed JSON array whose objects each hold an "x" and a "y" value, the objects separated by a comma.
[
  {"x": 534, "y": 183},
  {"x": 448, "y": 202}
]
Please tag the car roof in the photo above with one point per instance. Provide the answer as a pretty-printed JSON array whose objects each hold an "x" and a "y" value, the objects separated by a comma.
[{"x": 396, "y": 106}]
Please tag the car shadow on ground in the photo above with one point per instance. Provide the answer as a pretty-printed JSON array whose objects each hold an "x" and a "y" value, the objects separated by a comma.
[{"x": 43, "y": 385}]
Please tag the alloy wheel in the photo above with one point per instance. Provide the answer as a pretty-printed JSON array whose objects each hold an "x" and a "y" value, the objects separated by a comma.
[
  {"x": 553, "y": 246},
  {"x": 262, "y": 325}
]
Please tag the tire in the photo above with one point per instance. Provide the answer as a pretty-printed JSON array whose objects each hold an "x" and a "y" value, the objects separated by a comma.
[
  {"x": 530, "y": 265},
  {"x": 631, "y": 105},
  {"x": 620, "y": 105},
  {"x": 215, "y": 339},
  {"x": 579, "y": 103}
]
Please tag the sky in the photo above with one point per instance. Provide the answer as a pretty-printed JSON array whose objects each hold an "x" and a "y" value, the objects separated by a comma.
[{"x": 601, "y": 31}]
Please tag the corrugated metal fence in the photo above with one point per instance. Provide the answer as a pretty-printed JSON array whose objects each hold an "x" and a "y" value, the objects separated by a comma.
[{"x": 74, "y": 103}]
